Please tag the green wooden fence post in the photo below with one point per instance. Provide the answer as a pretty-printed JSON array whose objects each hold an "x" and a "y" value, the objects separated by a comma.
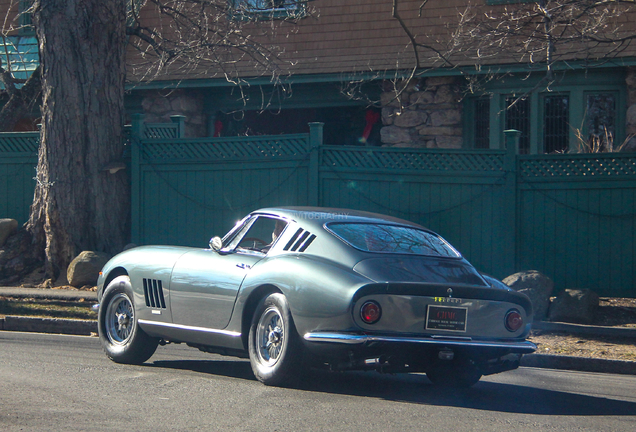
[
  {"x": 136, "y": 134},
  {"x": 315, "y": 141},
  {"x": 180, "y": 121},
  {"x": 510, "y": 201}
]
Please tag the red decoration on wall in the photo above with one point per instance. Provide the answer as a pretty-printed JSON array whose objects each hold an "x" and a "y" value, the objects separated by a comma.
[
  {"x": 371, "y": 117},
  {"x": 218, "y": 128}
]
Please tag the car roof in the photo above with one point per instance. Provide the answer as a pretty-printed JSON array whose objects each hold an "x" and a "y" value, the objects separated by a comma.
[{"x": 318, "y": 216}]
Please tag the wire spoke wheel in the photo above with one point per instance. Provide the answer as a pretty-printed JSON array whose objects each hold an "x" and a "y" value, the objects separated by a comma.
[
  {"x": 121, "y": 337},
  {"x": 120, "y": 317},
  {"x": 276, "y": 354},
  {"x": 270, "y": 335}
]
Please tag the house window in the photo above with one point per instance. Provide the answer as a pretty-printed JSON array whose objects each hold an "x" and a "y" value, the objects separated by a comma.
[
  {"x": 518, "y": 117},
  {"x": 25, "y": 21},
  {"x": 19, "y": 55},
  {"x": 501, "y": 2},
  {"x": 556, "y": 121},
  {"x": 482, "y": 123},
  {"x": 581, "y": 112},
  {"x": 600, "y": 120},
  {"x": 269, "y": 8}
]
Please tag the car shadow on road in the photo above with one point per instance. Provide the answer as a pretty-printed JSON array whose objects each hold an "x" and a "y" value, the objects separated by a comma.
[
  {"x": 417, "y": 389},
  {"x": 227, "y": 368},
  {"x": 487, "y": 396}
]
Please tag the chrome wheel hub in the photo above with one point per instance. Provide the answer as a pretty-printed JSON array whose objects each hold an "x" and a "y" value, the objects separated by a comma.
[
  {"x": 119, "y": 319},
  {"x": 270, "y": 336}
]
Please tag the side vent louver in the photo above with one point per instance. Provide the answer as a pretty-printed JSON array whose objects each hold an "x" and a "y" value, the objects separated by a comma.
[
  {"x": 300, "y": 241},
  {"x": 153, "y": 293}
]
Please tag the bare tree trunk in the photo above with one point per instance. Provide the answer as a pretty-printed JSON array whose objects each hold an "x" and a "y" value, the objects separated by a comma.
[{"x": 77, "y": 205}]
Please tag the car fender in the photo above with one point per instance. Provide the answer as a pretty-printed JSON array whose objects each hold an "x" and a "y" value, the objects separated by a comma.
[{"x": 319, "y": 291}]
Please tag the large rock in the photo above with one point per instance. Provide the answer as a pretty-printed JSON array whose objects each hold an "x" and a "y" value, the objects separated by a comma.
[
  {"x": 576, "y": 306},
  {"x": 535, "y": 285},
  {"x": 395, "y": 135},
  {"x": 409, "y": 119},
  {"x": 7, "y": 227},
  {"x": 447, "y": 117},
  {"x": 85, "y": 268},
  {"x": 449, "y": 142},
  {"x": 422, "y": 98}
]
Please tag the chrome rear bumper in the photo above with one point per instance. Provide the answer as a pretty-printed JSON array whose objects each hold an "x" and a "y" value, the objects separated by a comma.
[{"x": 524, "y": 347}]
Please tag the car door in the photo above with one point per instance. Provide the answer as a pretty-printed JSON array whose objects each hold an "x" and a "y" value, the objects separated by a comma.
[{"x": 205, "y": 283}]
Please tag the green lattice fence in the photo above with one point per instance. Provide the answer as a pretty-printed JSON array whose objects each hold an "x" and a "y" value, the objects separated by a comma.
[
  {"x": 188, "y": 190},
  {"x": 577, "y": 220},
  {"x": 569, "y": 216},
  {"x": 18, "y": 158},
  {"x": 456, "y": 193}
]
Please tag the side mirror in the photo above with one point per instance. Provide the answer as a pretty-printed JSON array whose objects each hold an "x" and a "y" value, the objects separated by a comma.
[{"x": 216, "y": 244}]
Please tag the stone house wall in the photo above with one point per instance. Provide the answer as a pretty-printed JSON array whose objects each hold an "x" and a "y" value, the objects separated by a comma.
[
  {"x": 160, "y": 105},
  {"x": 427, "y": 114}
]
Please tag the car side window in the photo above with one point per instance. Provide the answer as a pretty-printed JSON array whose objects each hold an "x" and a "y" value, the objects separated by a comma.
[{"x": 259, "y": 235}]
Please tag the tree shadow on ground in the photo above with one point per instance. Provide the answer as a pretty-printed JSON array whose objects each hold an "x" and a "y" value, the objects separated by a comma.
[{"x": 417, "y": 389}]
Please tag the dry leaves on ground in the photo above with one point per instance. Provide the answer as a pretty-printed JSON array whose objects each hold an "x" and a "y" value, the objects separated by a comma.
[{"x": 612, "y": 312}]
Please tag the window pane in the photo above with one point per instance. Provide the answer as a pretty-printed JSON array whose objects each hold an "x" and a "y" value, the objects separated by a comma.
[
  {"x": 518, "y": 117},
  {"x": 267, "y": 5},
  {"x": 600, "y": 119},
  {"x": 392, "y": 239},
  {"x": 482, "y": 123},
  {"x": 556, "y": 113}
]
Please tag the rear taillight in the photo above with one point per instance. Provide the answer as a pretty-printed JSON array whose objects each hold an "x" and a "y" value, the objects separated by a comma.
[
  {"x": 514, "y": 320},
  {"x": 370, "y": 312}
]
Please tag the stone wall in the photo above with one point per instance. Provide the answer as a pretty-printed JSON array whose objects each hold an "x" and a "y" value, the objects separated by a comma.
[
  {"x": 427, "y": 114},
  {"x": 159, "y": 106}
]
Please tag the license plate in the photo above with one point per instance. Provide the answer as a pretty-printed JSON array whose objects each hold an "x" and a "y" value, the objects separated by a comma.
[{"x": 446, "y": 318}]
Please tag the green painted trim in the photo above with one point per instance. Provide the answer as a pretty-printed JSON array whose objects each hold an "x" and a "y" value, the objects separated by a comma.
[
  {"x": 409, "y": 176},
  {"x": 376, "y": 76},
  {"x": 598, "y": 183},
  {"x": 150, "y": 166}
]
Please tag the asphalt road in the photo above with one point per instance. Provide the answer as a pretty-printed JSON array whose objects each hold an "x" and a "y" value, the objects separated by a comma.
[{"x": 56, "y": 382}]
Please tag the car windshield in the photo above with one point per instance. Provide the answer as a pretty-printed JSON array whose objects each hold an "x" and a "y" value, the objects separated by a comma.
[{"x": 383, "y": 238}]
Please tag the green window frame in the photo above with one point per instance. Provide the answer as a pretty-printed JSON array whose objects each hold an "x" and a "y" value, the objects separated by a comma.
[
  {"x": 268, "y": 9},
  {"x": 601, "y": 119},
  {"x": 25, "y": 18},
  {"x": 554, "y": 121},
  {"x": 517, "y": 116},
  {"x": 555, "y": 115}
]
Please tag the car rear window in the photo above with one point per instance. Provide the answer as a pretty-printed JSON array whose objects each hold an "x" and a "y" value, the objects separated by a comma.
[{"x": 384, "y": 238}]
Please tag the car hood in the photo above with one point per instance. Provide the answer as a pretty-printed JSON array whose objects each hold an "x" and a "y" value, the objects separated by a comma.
[{"x": 420, "y": 269}]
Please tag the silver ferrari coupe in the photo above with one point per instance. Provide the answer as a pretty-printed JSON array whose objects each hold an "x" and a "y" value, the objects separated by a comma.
[{"x": 293, "y": 288}]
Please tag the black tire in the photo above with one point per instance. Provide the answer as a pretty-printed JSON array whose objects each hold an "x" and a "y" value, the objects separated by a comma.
[
  {"x": 461, "y": 375},
  {"x": 274, "y": 346},
  {"x": 121, "y": 338}
]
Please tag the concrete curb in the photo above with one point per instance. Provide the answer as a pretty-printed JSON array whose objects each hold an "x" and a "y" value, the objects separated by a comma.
[
  {"x": 48, "y": 294},
  {"x": 580, "y": 329},
  {"x": 48, "y": 325}
]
